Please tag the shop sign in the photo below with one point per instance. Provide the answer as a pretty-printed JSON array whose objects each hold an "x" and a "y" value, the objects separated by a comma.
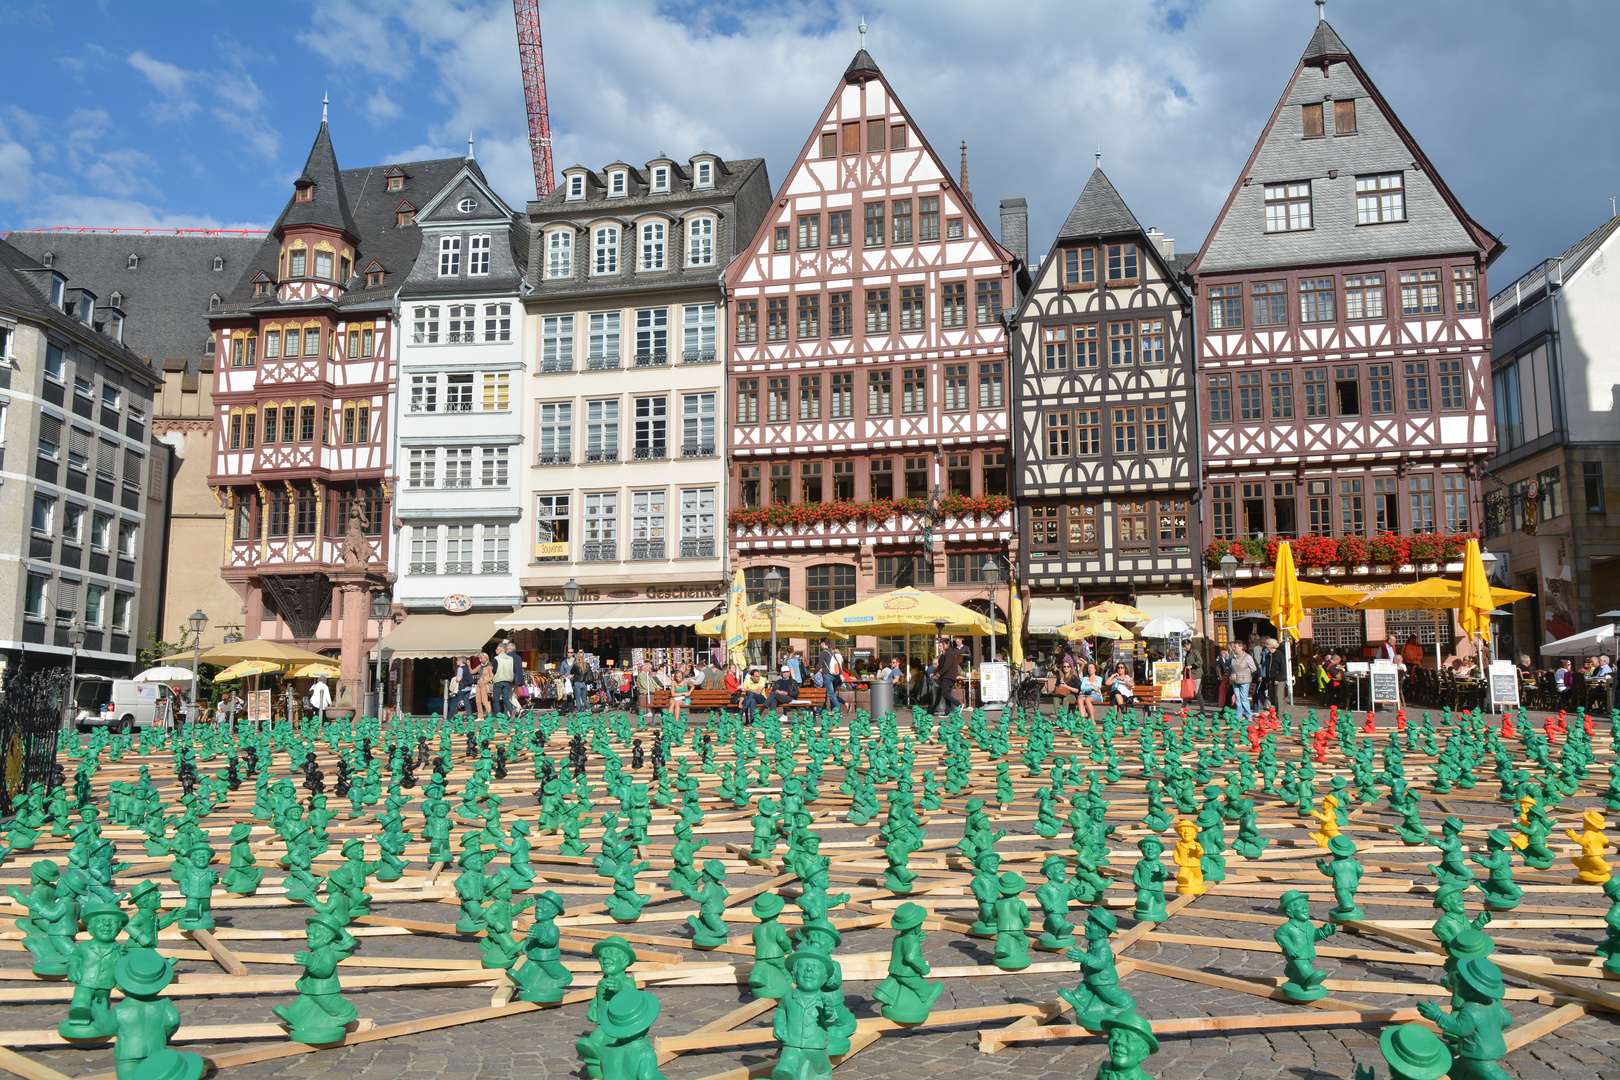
[
  {"x": 456, "y": 603},
  {"x": 551, "y": 550}
]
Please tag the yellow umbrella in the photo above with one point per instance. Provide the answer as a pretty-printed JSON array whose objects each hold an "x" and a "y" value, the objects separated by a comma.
[
  {"x": 247, "y": 667},
  {"x": 1015, "y": 620},
  {"x": 1287, "y": 608},
  {"x": 903, "y": 611},
  {"x": 1311, "y": 595},
  {"x": 258, "y": 649},
  {"x": 1115, "y": 612},
  {"x": 317, "y": 671},
  {"x": 791, "y": 622},
  {"x": 1090, "y": 628},
  {"x": 1432, "y": 594},
  {"x": 1477, "y": 603},
  {"x": 736, "y": 636}
]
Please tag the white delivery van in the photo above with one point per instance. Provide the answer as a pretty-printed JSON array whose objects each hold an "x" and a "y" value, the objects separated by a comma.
[{"x": 121, "y": 704}]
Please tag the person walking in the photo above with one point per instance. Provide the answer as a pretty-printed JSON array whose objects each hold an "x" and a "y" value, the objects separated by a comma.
[
  {"x": 505, "y": 673},
  {"x": 830, "y": 666},
  {"x": 1242, "y": 676},
  {"x": 946, "y": 669},
  {"x": 581, "y": 675},
  {"x": 320, "y": 698}
]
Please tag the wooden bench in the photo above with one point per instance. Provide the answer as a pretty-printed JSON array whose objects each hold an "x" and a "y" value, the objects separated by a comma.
[
  {"x": 712, "y": 699},
  {"x": 1146, "y": 696}
]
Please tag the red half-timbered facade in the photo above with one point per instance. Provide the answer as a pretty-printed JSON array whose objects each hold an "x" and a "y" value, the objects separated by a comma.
[
  {"x": 868, "y": 368},
  {"x": 1344, "y": 353}
]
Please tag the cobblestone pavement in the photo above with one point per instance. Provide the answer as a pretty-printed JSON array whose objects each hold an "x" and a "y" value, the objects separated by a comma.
[{"x": 540, "y": 1044}]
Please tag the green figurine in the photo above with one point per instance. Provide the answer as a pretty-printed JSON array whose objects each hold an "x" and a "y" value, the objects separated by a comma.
[
  {"x": 804, "y": 1019},
  {"x": 1345, "y": 870},
  {"x": 1149, "y": 877},
  {"x": 1130, "y": 1042},
  {"x": 1466, "y": 944},
  {"x": 614, "y": 955},
  {"x": 243, "y": 876},
  {"x": 52, "y": 921},
  {"x": 1501, "y": 893},
  {"x": 497, "y": 949},
  {"x": 320, "y": 1013},
  {"x": 1098, "y": 996},
  {"x": 197, "y": 886},
  {"x": 90, "y": 965},
  {"x": 1474, "y": 1031},
  {"x": 143, "y": 927},
  {"x": 1057, "y": 931},
  {"x": 472, "y": 888},
  {"x": 1012, "y": 920},
  {"x": 907, "y": 995},
  {"x": 1298, "y": 937},
  {"x": 625, "y": 1051},
  {"x": 144, "y": 1020},
  {"x": 542, "y": 978},
  {"x": 171, "y": 1064},
  {"x": 1412, "y": 1052},
  {"x": 709, "y": 925},
  {"x": 986, "y": 889},
  {"x": 768, "y": 978}
]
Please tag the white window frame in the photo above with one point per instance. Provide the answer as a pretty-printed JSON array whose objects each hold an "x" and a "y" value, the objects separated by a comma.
[
  {"x": 48, "y": 505},
  {"x": 699, "y": 325},
  {"x": 73, "y": 517},
  {"x": 601, "y": 520},
  {"x": 37, "y": 597},
  {"x": 422, "y": 464},
  {"x": 618, "y": 184},
  {"x": 560, "y": 254},
  {"x": 602, "y": 429},
  {"x": 424, "y": 326},
  {"x": 122, "y": 605},
  {"x": 548, "y": 509},
  {"x": 576, "y": 187},
  {"x": 497, "y": 541},
  {"x": 703, "y": 174},
  {"x": 697, "y": 518},
  {"x": 1289, "y": 196},
  {"x": 698, "y": 412},
  {"x": 95, "y": 606},
  {"x": 458, "y": 466},
  {"x": 660, "y": 179},
  {"x": 478, "y": 248},
  {"x": 101, "y": 531},
  {"x": 652, "y": 335},
  {"x": 649, "y": 522},
  {"x": 604, "y": 342},
  {"x": 462, "y": 324},
  {"x": 497, "y": 322},
  {"x": 554, "y": 433},
  {"x": 449, "y": 256},
  {"x": 425, "y": 393},
  {"x": 700, "y": 241},
  {"x": 458, "y": 392},
  {"x": 604, "y": 250},
  {"x": 128, "y": 539},
  {"x": 1380, "y": 198},
  {"x": 556, "y": 343},
  {"x": 459, "y": 540},
  {"x": 424, "y": 549},
  {"x": 494, "y": 467},
  {"x": 653, "y": 244}
]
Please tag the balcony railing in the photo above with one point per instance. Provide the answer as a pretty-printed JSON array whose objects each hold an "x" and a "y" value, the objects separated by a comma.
[
  {"x": 698, "y": 356},
  {"x": 697, "y": 449},
  {"x": 697, "y": 549},
  {"x": 646, "y": 549},
  {"x": 557, "y": 366},
  {"x": 424, "y": 568},
  {"x": 458, "y": 567},
  {"x": 654, "y": 358},
  {"x": 651, "y": 452},
  {"x": 458, "y": 482},
  {"x": 559, "y": 457},
  {"x": 593, "y": 457},
  {"x": 600, "y": 551},
  {"x": 458, "y": 406},
  {"x": 496, "y": 567},
  {"x": 602, "y": 363}
]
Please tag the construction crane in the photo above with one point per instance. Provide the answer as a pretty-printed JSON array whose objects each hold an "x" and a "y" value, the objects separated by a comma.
[{"x": 527, "y": 13}]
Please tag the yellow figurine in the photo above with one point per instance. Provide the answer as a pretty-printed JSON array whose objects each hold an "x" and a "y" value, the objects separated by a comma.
[
  {"x": 1520, "y": 838},
  {"x": 1329, "y": 818},
  {"x": 1593, "y": 870},
  {"x": 1188, "y": 855}
]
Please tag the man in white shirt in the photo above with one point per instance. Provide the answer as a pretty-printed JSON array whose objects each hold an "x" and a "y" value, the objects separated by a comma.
[{"x": 320, "y": 697}]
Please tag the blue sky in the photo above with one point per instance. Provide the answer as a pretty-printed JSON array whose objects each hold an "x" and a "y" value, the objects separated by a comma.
[{"x": 199, "y": 114}]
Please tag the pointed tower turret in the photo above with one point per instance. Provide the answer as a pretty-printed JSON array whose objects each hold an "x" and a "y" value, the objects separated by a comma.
[{"x": 318, "y": 197}]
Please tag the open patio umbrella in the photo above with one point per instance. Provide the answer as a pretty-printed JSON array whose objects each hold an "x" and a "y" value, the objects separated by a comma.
[
  {"x": 1432, "y": 594},
  {"x": 277, "y": 652},
  {"x": 791, "y": 622},
  {"x": 904, "y": 611},
  {"x": 163, "y": 675},
  {"x": 1312, "y": 594},
  {"x": 1114, "y": 612},
  {"x": 245, "y": 668},
  {"x": 317, "y": 671},
  {"x": 1093, "y": 628},
  {"x": 1287, "y": 608}
]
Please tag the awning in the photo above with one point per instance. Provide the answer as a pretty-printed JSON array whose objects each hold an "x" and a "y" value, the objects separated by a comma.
[
  {"x": 608, "y": 616},
  {"x": 1176, "y": 605},
  {"x": 429, "y": 634},
  {"x": 1047, "y": 613}
]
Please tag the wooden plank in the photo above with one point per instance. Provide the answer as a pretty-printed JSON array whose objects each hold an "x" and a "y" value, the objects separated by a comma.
[
  {"x": 1259, "y": 1022},
  {"x": 714, "y": 1040},
  {"x": 17, "y": 1065},
  {"x": 220, "y": 953},
  {"x": 1545, "y": 1024},
  {"x": 189, "y": 1033},
  {"x": 734, "y": 1019}
]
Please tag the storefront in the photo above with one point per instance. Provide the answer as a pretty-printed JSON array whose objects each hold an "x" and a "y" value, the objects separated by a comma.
[
  {"x": 619, "y": 627},
  {"x": 421, "y": 654}
]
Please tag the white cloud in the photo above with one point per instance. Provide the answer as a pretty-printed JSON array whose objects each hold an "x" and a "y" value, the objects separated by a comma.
[
  {"x": 169, "y": 79},
  {"x": 381, "y": 107}
]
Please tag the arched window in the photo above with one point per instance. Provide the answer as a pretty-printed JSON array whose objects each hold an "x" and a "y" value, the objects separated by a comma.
[
  {"x": 700, "y": 241},
  {"x": 652, "y": 245},
  {"x": 605, "y": 258},
  {"x": 560, "y": 253}
]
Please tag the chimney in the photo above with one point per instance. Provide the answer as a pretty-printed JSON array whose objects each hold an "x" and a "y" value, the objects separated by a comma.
[
  {"x": 1166, "y": 246},
  {"x": 1015, "y": 227}
]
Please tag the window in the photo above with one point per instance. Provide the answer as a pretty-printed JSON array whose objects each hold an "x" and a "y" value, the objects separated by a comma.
[
  {"x": 1220, "y": 399},
  {"x": 652, "y": 245},
  {"x": 425, "y": 549},
  {"x": 1282, "y": 395},
  {"x": 698, "y": 332},
  {"x": 1088, "y": 432},
  {"x": 1046, "y": 532},
  {"x": 602, "y": 341},
  {"x": 557, "y": 343},
  {"x": 1417, "y": 387},
  {"x": 874, "y": 225},
  {"x": 927, "y": 209},
  {"x": 556, "y": 432},
  {"x": 601, "y": 527},
  {"x": 1226, "y": 307},
  {"x": 843, "y": 480},
  {"x": 1364, "y": 296},
  {"x": 1320, "y": 506},
  {"x": 842, "y": 395},
  {"x": 1121, "y": 345},
  {"x": 423, "y": 467},
  {"x": 959, "y": 474},
  {"x": 809, "y": 230},
  {"x": 1131, "y": 526},
  {"x": 1316, "y": 394},
  {"x": 1342, "y": 629},
  {"x": 1344, "y": 117},
  {"x": 953, "y": 304},
  {"x": 697, "y": 523},
  {"x": 651, "y": 430},
  {"x": 306, "y": 423},
  {"x": 1288, "y": 207},
  {"x": 1380, "y": 389},
  {"x": 497, "y": 549},
  {"x": 458, "y": 549},
  {"x": 1125, "y": 431},
  {"x": 53, "y": 362},
  {"x": 990, "y": 385},
  {"x": 1455, "y": 488},
  {"x": 1222, "y": 511},
  {"x": 1155, "y": 429},
  {"x": 1464, "y": 289},
  {"x": 618, "y": 185},
  {"x": 660, "y": 178},
  {"x": 296, "y": 261},
  {"x": 916, "y": 476},
  {"x": 1509, "y": 408},
  {"x": 956, "y": 388},
  {"x": 647, "y": 524},
  {"x": 312, "y": 343},
  {"x": 913, "y": 308},
  {"x": 1055, "y": 348},
  {"x": 652, "y": 337},
  {"x": 700, "y": 241},
  {"x": 810, "y": 481},
  {"x": 1080, "y": 267},
  {"x": 880, "y": 477},
  {"x": 1058, "y": 426},
  {"x": 781, "y": 484},
  {"x": 1352, "y": 519},
  {"x": 747, "y": 401},
  {"x": 1123, "y": 264},
  {"x": 493, "y": 471},
  {"x": 449, "y": 256},
  {"x": 877, "y": 311},
  {"x": 747, "y": 321},
  {"x": 897, "y": 137},
  {"x": 902, "y": 221},
  {"x": 779, "y": 240},
  {"x": 703, "y": 176},
  {"x": 838, "y": 228},
  {"x": 1311, "y": 120},
  {"x": 236, "y": 431},
  {"x": 776, "y": 400},
  {"x": 1250, "y": 408},
  {"x": 829, "y": 148},
  {"x": 279, "y": 514},
  {"x": 1283, "y": 508},
  {"x": 34, "y": 605},
  {"x": 424, "y": 396},
  {"x": 606, "y": 247},
  {"x": 1420, "y": 292},
  {"x": 478, "y": 256},
  {"x": 1085, "y": 346},
  {"x": 576, "y": 187},
  {"x": 1381, "y": 197},
  {"x": 1347, "y": 390},
  {"x": 1270, "y": 303},
  {"x": 914, "y": 390},
  {"x": 106, "y": 458},
  {"x": 50, "y": 441},
  {"x": 305, "y": 505},
  {"x": 987, "y": 301},
  {"x": 461, "y": 328},
  {"x": 272, "y": 344},
  {"x": 602, "y": 430},
  {"x": 1315, "y": 300},
  {"x": 776, "y": 318},
  {"x": 73, "y": 524},
  {"x": 828, "y": 588},
  {"x": 95, "y": 602},
  {"x": 1420, "y": 490},
  {"x": 1591, "y": 481},
  {"x": 809, "y": 397},
  {"x": 840, "y": 315},
  {"x": 1552, "y": 493},
  {"x": 425, "y": 329},
  {"x": 953, "y": 228},
  {"x": 560, "y": 253},
  {"x": 993, "y": 472},
  {"x": 101, "y": 532},
  {"x": 458, "y": 392},
  {"x": 874, "y": 135},
  {"x": 879, "y": 393}
]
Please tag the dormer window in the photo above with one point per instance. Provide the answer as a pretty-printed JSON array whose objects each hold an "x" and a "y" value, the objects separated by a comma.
[
  {"x": 660, "y": 178},
  {"x": 617, "y": 184},
  {"x": 209, "y": 347},
  {"x": 576, "y": 186},
  {"x": 373, "y": 278},
  {"x": 396, "y": 178},
  {"x": 467, "y": 206},
  {"x": 260, "y": 288},
  {"x": 304, "y": 192},
  {"x": 213, "y": 301},
  {"x": 117, "y": 299},
  {"x": 48, "y": 259},
  {"x": 133, "y": 262},
  {"x": 87, "y": 309},
  {"x": 115, "y": 326},
  {"x": 404, "y": 214},
  {"x": 58, "y": 287},
  {"x": 703, "y": 175},
  {"x": 219, "y": 263}
]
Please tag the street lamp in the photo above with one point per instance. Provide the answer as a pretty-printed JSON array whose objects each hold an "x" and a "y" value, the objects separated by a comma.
[
  {"x": 570, "y": 597},
  {"x": 76, "y": 638},
  {"x": 1488, "y": 559},
  {"x": 1229, "y": 572},
  {"x": 992, "y": 578},
  {"x": 198, "y": 623},
  {"x": 382, "y": 687},
  {"x": 773, "y": 589}
]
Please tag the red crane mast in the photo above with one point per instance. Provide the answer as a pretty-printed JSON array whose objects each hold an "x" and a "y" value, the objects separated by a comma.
[{"x": 527, "y": 13}]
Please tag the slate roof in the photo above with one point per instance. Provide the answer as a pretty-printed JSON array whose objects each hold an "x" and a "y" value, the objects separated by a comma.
[
  {"x": 329, "y": 207},
  {"x": 731, "y": 175},
  {"x": 1324, "y": 43},
  {"x": 862, "y": 64},
  {"x": 1099, "y": 212},
  {"x": 23, "y": 292},
  {"x": 165, "y": 298}
]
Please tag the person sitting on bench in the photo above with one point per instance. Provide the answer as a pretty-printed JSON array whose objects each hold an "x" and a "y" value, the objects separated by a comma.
[
  {"x": 753, "y": 693},
  {"x": 1122, "y": 687},
  {"x": 786, "y": 691}
]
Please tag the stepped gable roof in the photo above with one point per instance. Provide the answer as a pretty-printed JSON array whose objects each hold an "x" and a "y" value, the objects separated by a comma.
[
  {"x": 329, "y": 206},
  {"x": 1099, "y": 212}
]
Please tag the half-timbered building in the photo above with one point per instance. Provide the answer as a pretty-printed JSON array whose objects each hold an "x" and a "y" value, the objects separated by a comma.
[
  {"x": 1104, "y": 431},
  {"x": 869, "y": 431},
  {"x": 303, "y": 400},
  {"x": 1344, "y": 355}
]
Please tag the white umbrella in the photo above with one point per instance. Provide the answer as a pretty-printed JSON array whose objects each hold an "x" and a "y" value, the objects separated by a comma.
[
  {"x": 1164, "y": 626},
  {"x": 163, "y": 675},
  {"x": 1591, "y": 642}
]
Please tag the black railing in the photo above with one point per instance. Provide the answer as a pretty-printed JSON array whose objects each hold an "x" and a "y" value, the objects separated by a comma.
[
  {"x": 646, "y": 549},
  {"x": 496, "y": 567},
  {"x": 651, "y": 452},
  {"x": 654, "y": 358},
  {"x": 424, "y": 568},
  {"x": 556, "y": 367},
  {"x": 697, "y": 549},
  {"x": 560, "y": 457},
  {"x": 600, "y": 551},
  {"x": 602, "y": 363},
  {"x": 458, "y": 567},
  {"x": 595, "y": 456},
  {"x": 698, "y": 356},
  {"x": 697, "y": 449}
]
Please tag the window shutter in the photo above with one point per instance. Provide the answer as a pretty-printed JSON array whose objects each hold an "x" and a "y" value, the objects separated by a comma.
[
  {"x": 106, "y": 458},
  {"x": 133, "y": 465},
  {"x": 1312, "y": 120},
  {"x": 1344, "y": 117},
  {"x": 50, "y": 433},
  {"x": 67, "y": 599}
]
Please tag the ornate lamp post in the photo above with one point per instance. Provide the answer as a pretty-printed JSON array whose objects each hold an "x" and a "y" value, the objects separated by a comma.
[
  {"x": 992, "y": 578},
  {"x": 70, "y": 716},
  {"x": 1488, "y": 558},
  {"x": 198, "y": 623},
  {"x": 570, "y": 597},
  {"x": 773, "y": 589},
  {"x": 382, "y": 622},
  {"x": 1229, "y": 573}
]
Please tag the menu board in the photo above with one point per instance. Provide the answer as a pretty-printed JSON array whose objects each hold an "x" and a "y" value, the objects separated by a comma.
[
  {"x": 995, "y": 681},
  {"x": 258, "y": 707},
  {"x": 1167, "y": 677},
  {"x": 1386, "y": 683},
  {"x": 1504, "y": 684}
]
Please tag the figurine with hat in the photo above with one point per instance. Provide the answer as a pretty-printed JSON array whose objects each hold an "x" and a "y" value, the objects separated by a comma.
[
  {"x": 1452, "y": 921},
  {"x": 1212, "y": 844},
  {"x": 1593, "y": 870},
  {"x": 986, "y": 889},
  {"x": 709, "y": 928},
  {"x": 824, "y": 938},
  {"x": 197, "y": 880},
  {"x": 1149, "y": 876},
  {"x": 1413, "y": 1052},
  {"x": 1249, "y": 843},
  {"x": 1098, "y": 996},
  {"x": 144, "y": 1020},
  {"x": 906, "y": 995},
  {"x": 90, "y": 965},
  {"x": 1057, "y": 932},
  {"x": 1466, "y": 944},
  {"x": 1475, "y": 1030},
  {"x": 143, "y": 927},
  {"x": 1189, "y": 859},
  {"x": 614, "y": 955},
  {"x": 320, "y": 1013},
  {"x": 541, "y": 978},
  {"x": 471, "y": 888},
  {"x": 1345, "y": 870},
  {"x": 497, "y": 949},
  {"x": 52, "y": 921},
  {"x": 1130, "y": 1042},
  {"x": 1012, "y": 920},
  {"x": 625, "y": 1051},
  {"x": 804, "y": 1019},
  {"x": 1297, "y": 938},
  {"x": 1451, "y": 871},
  {"x": 242, "y": 877},
  {"x": 1501, "y": 892},
  {"x": 768, "y": 977}
]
